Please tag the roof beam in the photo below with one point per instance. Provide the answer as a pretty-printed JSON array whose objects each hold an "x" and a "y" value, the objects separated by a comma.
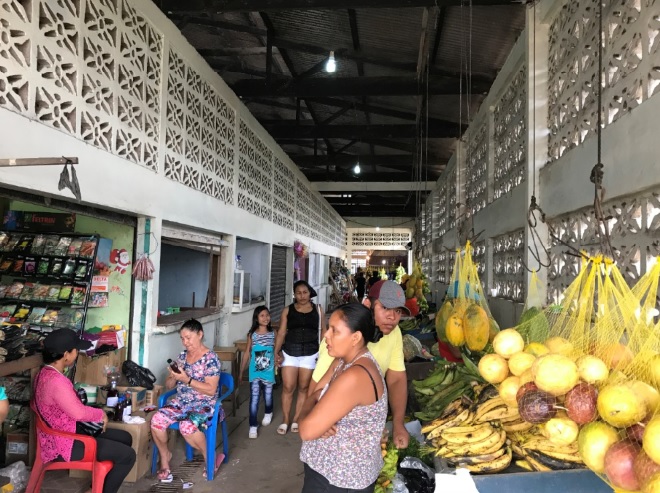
[
  {"x": 308, "y": 161},
  {"x": 389, "y": 144},
  {"x": 379, "y": 211},
  {"x": 288, "y": 128},
  {"x": 378, "y": 187},
  {"x": 352, "y": 86},
  {"x": 365, "y": 176},
  {"x": 213, "y": 6}
]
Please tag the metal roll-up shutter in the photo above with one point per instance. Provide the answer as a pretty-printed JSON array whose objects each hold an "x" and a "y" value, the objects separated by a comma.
[{"x": 277, "y": 283}]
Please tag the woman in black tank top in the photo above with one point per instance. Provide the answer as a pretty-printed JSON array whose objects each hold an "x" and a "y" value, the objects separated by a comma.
[{"x": 298, "y": 340}]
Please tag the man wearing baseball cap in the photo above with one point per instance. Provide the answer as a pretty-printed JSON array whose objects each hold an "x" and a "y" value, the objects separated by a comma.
[{"x": 387, "y": 301}]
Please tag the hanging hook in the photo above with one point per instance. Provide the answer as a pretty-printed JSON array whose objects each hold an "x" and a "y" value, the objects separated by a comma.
[{"x": 536, "y": 237}]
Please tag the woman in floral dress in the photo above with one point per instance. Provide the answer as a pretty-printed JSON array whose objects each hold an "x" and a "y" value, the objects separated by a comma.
[{"x": 196, "y": 393}]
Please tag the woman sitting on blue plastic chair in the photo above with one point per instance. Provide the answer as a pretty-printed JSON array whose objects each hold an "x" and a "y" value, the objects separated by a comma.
[{"x": 196, "y": 392}]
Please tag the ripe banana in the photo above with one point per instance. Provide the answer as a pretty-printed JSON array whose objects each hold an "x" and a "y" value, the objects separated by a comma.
[
  {"x": 455, "y": 421},
  {"x": 562, "y": 456},
  {"x": 552, "y": 463},
  {"x": 489, "y": 405},
  {"x": 490, "y": 444},
  {"x": 517, "y": 449},
  {"x": 543, "y": 444},
  {"x": 536, "y": 464},
  {"x": 478, "y": 459},
  {"x": 439, "y": 421},
  {"x": 515, "y": 416},
  {"x": 497, "y": 414},
  {"x": 515, "y": 426},
  {"x": 467, "y": 434},
  {"x": 493, "y": 466},
  {"x": 523, "y": 464}
]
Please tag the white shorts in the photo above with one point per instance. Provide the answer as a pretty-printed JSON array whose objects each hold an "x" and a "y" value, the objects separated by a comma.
[{"x": 307, "y": 362}]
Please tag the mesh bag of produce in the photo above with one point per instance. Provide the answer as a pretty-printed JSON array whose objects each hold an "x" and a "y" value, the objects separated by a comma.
[{"x": 464, "y": 319}]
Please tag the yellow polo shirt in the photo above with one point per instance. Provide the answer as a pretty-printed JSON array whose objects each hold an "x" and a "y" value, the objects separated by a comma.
[{"x": 388, "y": 352}]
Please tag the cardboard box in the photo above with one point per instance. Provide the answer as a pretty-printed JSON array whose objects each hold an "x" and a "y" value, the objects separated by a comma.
[
  {"x": 16, "y": 448},
  {"x": 94, "y": 371},
  {"x": 142, "y": 444}
]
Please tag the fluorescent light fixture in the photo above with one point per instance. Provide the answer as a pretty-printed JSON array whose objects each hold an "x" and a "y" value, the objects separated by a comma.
[{"x": 331, "y": 64}]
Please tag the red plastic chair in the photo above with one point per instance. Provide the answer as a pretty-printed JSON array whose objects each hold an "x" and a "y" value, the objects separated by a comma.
[{"x": 99, "y": 469}]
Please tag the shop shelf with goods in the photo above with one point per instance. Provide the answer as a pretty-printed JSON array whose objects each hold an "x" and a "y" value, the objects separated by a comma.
[{"x": 45, "y": 284}]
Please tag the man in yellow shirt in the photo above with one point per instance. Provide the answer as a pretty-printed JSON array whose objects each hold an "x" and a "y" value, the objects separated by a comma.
[{"x": 387, "y": 303}]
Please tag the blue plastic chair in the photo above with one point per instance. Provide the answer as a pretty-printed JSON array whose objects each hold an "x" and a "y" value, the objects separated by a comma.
[{"x": 227, "y": 381}]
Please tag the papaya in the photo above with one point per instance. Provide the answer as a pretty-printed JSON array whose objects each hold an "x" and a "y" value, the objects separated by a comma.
[
  {"x": 476, "y": 326},
  {"x": 454, "y": 330},
  {"x": 441, "y": 320}
]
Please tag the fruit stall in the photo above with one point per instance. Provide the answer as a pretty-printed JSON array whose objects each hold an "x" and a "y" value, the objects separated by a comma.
[{"x": 568, "y": 399}]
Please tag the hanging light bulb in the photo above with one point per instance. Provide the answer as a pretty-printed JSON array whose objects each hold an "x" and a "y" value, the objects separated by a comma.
[
  {"x": 331, "y": 64},
  {"x": 356, "y": 170},
  {"x": 377, "y": 228}
]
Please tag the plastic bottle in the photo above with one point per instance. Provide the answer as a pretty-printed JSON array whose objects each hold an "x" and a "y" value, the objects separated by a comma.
[
  {"x": 239, "y": 264},
  {"x": 173, "y": 366},
  {"x": 128, "y": 406},
  {"x": 119, "y": 410},
  {"x": 112, "y": 398}
]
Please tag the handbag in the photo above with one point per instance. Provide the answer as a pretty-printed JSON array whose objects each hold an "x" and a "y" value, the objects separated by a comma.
[{"x": 138, "y": 376}]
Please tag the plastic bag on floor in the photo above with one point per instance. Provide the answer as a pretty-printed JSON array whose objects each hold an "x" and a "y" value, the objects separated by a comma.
[
  {"x": 18, "y": 475},
  {"x": 417, "y": 476}
]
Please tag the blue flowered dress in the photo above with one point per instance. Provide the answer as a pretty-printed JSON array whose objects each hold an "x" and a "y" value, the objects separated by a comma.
[{"x": 189, "y": 404}]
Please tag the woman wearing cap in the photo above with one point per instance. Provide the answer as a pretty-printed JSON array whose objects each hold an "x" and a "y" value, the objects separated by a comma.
[
  {"x": 301, "y": 327},
  {"x": 387, "y": 301},
  {"x": 352, "y": 398},
  {"x": 59, "y": 406}
]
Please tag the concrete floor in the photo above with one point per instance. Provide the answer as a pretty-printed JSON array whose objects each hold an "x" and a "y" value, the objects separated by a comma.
[{"x": 268, "y": 463}]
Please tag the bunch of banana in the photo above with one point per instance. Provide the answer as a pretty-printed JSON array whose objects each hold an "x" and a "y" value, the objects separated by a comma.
[
  {"x": 540, "y": 454},
  {"x": 496, "y": 410},
  {"x": 481, "y": 448}
]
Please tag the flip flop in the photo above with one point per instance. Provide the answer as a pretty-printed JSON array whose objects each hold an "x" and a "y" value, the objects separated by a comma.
[
  {"x": 294, "y": 427},
  {"x": 282, "y": 429},
  {"x": 218, "y": 461},
  {"x": 164, "y": 476}
]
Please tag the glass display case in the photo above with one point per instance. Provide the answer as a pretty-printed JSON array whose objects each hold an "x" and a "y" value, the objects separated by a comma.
[{"x": 242, "y": 289}]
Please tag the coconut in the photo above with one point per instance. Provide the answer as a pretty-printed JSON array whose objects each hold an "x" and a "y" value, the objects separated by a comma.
[
  {"x": 536, "y": 406},
  {"x": 519, "y": 363},
  {"x": 493, "y": 368},
  {"x": 561, "y": 431},
  {"x": 508, "y": 390},
  {"x": 556, "y": 374},
  {"x": 580, "y": 403},
  {"x": 592, "y": 369},
  {"x": 508, "y": 342},
  {"x": 620, "y": 405}
]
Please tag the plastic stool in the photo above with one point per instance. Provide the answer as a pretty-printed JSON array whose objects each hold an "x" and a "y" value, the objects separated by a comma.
[{"x": 231, "y": 354}]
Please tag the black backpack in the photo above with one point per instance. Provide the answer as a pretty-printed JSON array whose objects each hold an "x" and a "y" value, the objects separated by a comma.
[{"x": 137, "y": 375}]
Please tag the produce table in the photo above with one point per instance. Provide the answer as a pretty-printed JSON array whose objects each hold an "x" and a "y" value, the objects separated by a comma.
[{"x": 577, "y": 481}]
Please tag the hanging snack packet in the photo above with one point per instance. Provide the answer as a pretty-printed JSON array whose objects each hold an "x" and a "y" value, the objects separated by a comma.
[
  {"x": 11, "y": 243},
  {"x": 36, "y": 314},
  {"x": 24, "y": 244},
  {"x": 63, "y": 245},
  {"x": 69, "y": 268},
  {"x": 42, "y": 266},
  {"x": 6, "y": 264},
  {"x": 53, "y": 292},
  {"x": 22, "y": 313},
  {"x": 3, "y": 290},
  {"x": 74, "y": 247},
  {"x": 83, "y": 268},
  {"x": 7, "y": 311},
  {"x": 88, "y": 248},
  {"x": 28, "y": 291},
  {"x": 50, "y": 317},
  {"x": 17, "y": 268},
  {"x": 30, "y": 266},
  {"x": 76, "y": 319},
  {"x": 38, "y": 245},
  {"x": 56, "y": 266},
  {"x": 65, "y": 292},
  {"x": 15, "y": 290},
  {"x": 78, "y": 295},
  {"x": 40, "y": 292},
  {"x": 51, "y": 245},
  {"x": 4, "y": 238}
]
